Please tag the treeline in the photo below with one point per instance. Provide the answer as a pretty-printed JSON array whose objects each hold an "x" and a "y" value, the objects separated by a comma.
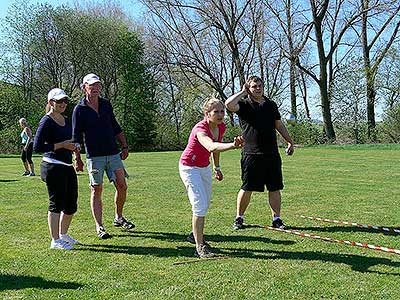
[
  {"x": 339, "y": 58},
  {"x": 46, "y": 47}
]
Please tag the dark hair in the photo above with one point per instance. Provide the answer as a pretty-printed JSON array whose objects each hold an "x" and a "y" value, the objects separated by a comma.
[{"x": 254, "y": 79}]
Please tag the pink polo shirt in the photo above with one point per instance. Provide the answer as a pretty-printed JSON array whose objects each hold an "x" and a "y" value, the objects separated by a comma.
[{"x": 195, "y": 155}]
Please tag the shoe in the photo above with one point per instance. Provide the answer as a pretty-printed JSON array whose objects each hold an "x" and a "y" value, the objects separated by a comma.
[
  {"x": 278, "y": 223},
  {"x": 26, "y": 173},
  {"x": 70, "y": 240},
  {"x": 238, "y": 223},
  {"x": 103, "y": 234},
  {"x": 202, "y": 251},
  {"x": 60, "y": 244},
  {"x": 190, "y": 239},
  {"x": 124, "y": 223},
  {"x": 31, "y": 174}
]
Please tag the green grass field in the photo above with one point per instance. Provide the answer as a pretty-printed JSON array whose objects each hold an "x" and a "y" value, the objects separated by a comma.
[{"x": 351, "y": 183}]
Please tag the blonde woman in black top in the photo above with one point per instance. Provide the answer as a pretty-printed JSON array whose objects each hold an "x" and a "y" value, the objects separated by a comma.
[{"x": 53, "y": 139}]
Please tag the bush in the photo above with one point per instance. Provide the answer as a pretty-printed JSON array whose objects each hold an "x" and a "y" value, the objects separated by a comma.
[
  {"x": 389, "y": 129},
  {"x": 306, "y": 133},
  {"x": 350, "y": 133}
]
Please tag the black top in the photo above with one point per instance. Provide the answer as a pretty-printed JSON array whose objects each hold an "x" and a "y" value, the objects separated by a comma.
[
  {"x": 97, "y": 129},
  {"x": 50, "y": 133},
  {"x": 258, "y": 124}
]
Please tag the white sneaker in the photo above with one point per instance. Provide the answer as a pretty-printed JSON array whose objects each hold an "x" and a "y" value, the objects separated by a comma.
[
  {"x": 60, "y": 244},
  {"x": 70, "y": 240}
]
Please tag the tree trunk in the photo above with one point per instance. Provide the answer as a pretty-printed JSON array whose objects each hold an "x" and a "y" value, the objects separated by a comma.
[
  {"x": 323, "y": 80},
  {"x": 371, "y": 93},
  {"x": 326, "y": 105},
  {"x": 293, "y": 104}
]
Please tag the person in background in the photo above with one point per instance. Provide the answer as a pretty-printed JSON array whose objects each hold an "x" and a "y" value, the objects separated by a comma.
[
  {"x": 261, "y": 163},
  {"x": 94, "y": 121},
  {"x": 195, "y": 171},
  {"x": 27, "y": 148},
  {"x": 53, "y": 139}
]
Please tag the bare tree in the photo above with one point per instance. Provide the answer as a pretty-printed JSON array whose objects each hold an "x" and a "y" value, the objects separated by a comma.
[
  {"x": 330, "y": 22},
  {"x": 302, "y": 84},
  {"x": 348, "y": 98},
  {"x": 388, "y": 78},
  {"x": 376, "y": 47},
  {"x": 212, "y": 40},
  {"x": 292, "y": 38}
]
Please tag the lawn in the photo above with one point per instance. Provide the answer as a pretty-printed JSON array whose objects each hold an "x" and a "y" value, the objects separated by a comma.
[{"x": 350, "y": 183}]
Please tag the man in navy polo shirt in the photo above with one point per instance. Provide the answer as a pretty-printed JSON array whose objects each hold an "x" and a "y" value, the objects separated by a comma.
[
  {"x": 93, "y": 120},
  {"x": 261, "y": 163}
]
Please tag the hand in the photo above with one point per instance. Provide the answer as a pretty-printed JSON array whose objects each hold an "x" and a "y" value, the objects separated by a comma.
[
  {"x": 69, "y": 145},
  {"x": 218, "y": 175},
  {"x": 124, "y": 153},
  {"x": 25, "y": 148},
  {"x": 79, "y": 165},
  {"x": 290, "y": 149},
  {"x": 77, "y": 147},
  {"x": 238, "y": 141},
  {"x": 245, "y": 89}
]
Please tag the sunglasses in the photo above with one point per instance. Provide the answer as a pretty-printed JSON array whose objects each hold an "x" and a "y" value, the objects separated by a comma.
[{"x": 65, "y": 100}]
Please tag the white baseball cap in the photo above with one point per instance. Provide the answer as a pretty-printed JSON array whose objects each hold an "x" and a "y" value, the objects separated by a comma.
[
  {"x": 56, "y": 94},
  {"x": 90, "y": 79}
]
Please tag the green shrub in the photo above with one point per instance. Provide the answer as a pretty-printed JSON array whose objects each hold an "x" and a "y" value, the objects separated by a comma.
[
  {"x": 306, "y": 133},
  {"x": 389, "y": 129}
]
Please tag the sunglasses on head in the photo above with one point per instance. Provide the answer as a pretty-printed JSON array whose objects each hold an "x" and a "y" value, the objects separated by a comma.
[{"x": 65, "y": 100}]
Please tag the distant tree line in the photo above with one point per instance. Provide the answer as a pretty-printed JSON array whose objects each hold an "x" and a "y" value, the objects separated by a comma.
[
  {"x": 342, "y": 57},
  {"x": 46, "y": 47}
]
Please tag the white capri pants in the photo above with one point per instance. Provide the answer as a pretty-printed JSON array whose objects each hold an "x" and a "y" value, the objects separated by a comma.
[{"x": 198, "y": 183}]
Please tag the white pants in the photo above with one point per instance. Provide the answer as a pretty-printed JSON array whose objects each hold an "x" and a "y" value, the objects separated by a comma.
[{"x": 198, "y": 183}]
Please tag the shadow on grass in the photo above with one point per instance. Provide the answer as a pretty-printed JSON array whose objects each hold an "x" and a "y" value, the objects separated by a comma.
[
  {"x": 18, "y": 282},
  {"x": 179, "y": 251},
  {"x": 8, "y": 180},
  {"x": 343, "y": 229},
  {"x": 356, "y": 262},
  {"x": 216, "y": 238},
  {"x": 152, "y": 251}
]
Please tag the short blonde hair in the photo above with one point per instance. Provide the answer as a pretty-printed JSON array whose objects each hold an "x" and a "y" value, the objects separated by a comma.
[
  {"x": 210, "y": 103},
  {"x": 22, "y": 121}
]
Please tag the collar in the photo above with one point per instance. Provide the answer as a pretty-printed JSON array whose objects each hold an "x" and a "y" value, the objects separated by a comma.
[{"x": 83, "y": 101}]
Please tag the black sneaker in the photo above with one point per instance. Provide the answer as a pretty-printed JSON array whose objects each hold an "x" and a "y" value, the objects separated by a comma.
[
  {"x": 26, "y": 173},
  {"x": 124, "y": 223},
  {"x": 103, "y": 234},
  {"x": 202, "y": 251},
  {"x": 238, "y": 223},
  {"x": 278, "y": 223},
  {"x": 190, "y": 239}
]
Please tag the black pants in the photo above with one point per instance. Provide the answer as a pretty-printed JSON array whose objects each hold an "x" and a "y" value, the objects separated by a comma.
[
  {"x": 27, "y": 155},
  {"x": 62, "y": 186}
]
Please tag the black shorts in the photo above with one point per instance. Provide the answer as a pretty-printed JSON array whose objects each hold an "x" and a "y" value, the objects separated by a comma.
[
  {"x": 259, "y": 170},
  {"x": 62, "y": 186}
]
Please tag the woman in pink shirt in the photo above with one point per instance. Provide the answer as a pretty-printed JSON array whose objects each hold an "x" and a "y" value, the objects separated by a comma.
[{"x": 195, "y": 170}]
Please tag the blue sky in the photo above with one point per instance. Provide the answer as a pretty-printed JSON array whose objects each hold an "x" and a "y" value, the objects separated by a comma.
[{"x": 132, "y": 7}]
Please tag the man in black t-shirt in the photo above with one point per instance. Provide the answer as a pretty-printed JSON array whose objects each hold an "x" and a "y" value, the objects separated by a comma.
[{"x": 260, "y": 163}]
